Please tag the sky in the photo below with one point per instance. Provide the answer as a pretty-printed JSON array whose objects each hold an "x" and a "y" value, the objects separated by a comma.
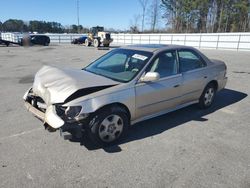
[{"x": 116, "y": 14}]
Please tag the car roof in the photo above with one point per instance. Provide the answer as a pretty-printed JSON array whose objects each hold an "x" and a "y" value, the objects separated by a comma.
[{"x": 155, "y": 47}]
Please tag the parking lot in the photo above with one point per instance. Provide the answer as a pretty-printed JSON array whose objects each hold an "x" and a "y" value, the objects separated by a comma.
[{"x": 187, "y": 148}]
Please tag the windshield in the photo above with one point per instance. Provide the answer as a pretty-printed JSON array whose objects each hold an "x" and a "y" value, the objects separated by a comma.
[{"x": 121, "y": 64}]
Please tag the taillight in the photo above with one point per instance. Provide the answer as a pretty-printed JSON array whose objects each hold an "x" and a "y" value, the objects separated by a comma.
[{"x": 225, "y": 74}]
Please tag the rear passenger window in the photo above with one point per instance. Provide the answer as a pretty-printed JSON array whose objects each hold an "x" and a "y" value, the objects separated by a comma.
[{"x": 189, "y": 60}]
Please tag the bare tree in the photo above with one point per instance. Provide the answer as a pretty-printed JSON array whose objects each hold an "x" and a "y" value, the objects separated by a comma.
[
  {"x": 134, "y": 24},
  {"x": 154, "y": 14},
  {"x": 144, "y": 6}
]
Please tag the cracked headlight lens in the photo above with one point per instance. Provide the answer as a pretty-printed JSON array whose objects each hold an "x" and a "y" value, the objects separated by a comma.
[{"x": 72, "y": 111}]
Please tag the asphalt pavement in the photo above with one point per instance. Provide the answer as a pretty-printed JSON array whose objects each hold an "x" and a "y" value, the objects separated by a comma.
[{"x": 189, "y": 148}]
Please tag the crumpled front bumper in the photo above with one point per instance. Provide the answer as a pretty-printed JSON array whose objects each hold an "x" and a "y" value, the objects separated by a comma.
[{"x": 49, "y": 116}]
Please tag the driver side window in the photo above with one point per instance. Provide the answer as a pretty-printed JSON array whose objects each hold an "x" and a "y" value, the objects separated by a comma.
[{"x": 165, "y": 64}]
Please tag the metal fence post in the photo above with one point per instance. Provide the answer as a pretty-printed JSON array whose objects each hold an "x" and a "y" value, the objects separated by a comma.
[
  {"x": 160, "y": 39},
  {"x": 238, "y": 45},
  {"x": 200, "y": 41},
  {"x": 218, "y": 39},
  {"x": 59, "y": 38},
  {"x": 185, "y": 40},
  {"x": 171, "y": 39}
]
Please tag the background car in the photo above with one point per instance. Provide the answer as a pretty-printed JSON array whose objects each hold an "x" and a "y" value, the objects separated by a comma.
[
  {"x": 80, "y": 40},
  {"x": 123, "y": 87},
  {"x": 35, "y": 40}
]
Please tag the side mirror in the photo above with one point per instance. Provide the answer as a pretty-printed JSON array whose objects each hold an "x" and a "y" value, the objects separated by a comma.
[{"x": 150, "y": 77}]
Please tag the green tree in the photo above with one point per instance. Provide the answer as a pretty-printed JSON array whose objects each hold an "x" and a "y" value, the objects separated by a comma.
[
  {"x": 14, "y": 25},
  {"x": 1, "y": 26},
  {"x": 240, "y": 16},
  {"x": 203, "y": 9},
  {"x": 73, "y": 28}
]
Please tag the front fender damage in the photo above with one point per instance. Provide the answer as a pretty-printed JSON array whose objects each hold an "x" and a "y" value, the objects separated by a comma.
[
  {"x": 52, "y": 118},
  {"x": 51, "y": 114}
]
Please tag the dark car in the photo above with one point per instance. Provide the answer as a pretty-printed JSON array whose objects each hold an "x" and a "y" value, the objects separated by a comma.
[
  {"x": 35, "y": 40},
  {"x": 79, "y": 40},
  {"x": 3, "y": 42}
]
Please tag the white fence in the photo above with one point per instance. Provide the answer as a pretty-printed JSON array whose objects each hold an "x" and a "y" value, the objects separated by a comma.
[
  {"x": 234, "y": 41},
  {"x": 63, "y": 38}
]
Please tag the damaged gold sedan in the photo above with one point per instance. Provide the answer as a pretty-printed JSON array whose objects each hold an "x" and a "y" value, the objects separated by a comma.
[{"x": 125, "y": 86}]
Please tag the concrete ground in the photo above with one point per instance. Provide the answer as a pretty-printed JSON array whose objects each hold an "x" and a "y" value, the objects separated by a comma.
[{"x": 187, "y": 148}]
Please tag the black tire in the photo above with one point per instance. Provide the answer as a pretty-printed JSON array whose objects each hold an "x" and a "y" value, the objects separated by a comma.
[
  {"x": 101, "y": 134},
  {"x": 96, "y": 43},
  {"x": 87, "y": 42},
  {"x": 207, "y": 97}
]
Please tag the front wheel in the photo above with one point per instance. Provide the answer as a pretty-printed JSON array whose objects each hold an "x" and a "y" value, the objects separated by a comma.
[
  {"x": 207, "y": 96},
  {"x": 96, "y": 43},
  {"x": 108, "y": 126},
  {"x": 87, "y": 42}
]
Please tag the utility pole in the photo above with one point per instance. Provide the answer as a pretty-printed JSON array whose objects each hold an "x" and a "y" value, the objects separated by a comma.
[{"x": 77, "y": 7}]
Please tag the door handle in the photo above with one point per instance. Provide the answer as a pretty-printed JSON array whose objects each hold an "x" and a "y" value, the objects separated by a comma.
[
  {"x": 177, "y": 85},
  {"x": 205, "y": 77}
]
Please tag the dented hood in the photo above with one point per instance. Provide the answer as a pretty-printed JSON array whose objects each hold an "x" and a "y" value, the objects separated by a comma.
[{"x": 55, "y": 85}]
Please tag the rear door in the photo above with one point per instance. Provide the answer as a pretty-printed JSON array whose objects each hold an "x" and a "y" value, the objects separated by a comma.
[
  {"x": 163, "y": 94},
  {"x": 194, "y": 74}
]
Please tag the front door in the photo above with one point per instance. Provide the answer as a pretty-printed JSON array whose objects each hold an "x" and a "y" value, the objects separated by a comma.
[{"x": 163, "y": 94}]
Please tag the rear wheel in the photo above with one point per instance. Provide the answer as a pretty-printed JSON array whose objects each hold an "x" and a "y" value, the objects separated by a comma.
[
  {"x": 207, "y": 97},
  {"x": 96, "y": 43},
  {"x": 108, "y": 126}
]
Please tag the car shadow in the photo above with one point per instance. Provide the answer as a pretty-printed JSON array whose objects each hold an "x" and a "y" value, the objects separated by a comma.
[{"x": 168, "y": 121}]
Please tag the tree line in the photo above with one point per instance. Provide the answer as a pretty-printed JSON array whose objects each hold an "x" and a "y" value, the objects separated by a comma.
[
  {"x": 15, "y": 25},
  {"x": 188, "y": 16},
  {"x": 177, "y": 16}
]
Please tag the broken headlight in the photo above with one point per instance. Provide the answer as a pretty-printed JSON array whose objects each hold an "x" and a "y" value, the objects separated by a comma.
[{"x": 72, "y": 111}]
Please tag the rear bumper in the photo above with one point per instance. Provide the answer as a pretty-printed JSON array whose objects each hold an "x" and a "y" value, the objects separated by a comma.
[{"x": 222, "y": 83}]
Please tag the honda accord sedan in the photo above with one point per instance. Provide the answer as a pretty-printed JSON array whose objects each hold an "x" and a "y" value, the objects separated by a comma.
[{"x": 125, "y": 86}]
